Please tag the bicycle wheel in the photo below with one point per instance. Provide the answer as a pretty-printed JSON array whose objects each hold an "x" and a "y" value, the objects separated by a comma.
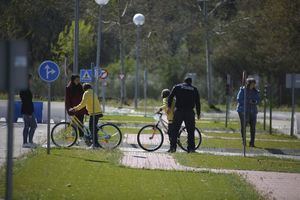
[
  {"x": 150, "y": 138},
  {"x": 64, "y": 134},
  {"x": 109, "y": 136},
  {"x": 183, "y": 139}
]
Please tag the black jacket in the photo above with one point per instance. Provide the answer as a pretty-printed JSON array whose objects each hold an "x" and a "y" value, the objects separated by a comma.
[
  {"x": 187, "y": 97},
  {"x": 27, "y": 104}
]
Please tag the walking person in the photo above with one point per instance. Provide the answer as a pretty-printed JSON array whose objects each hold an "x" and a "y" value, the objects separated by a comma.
[
  {"x": 27, "y": 110},
  {"x": 187, "y": 97},
  {"x": 91, "y": 102},
  {"x": 252, "y": 100},
  {"x": 74, "y": 93}
]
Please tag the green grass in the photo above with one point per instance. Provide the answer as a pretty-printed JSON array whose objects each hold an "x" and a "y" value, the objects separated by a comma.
[
  {"x": 202, "y": 124},
  {"x": 258, "y": 135},
  {"x": 80, "y": 174},
  {"x": 237, "y": 144},
  {"x": 236, "y": 162}
]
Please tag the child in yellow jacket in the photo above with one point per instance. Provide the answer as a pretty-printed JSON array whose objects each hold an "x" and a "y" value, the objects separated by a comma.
[
  {"x": 91, "y": 102},
  {"x": 170, "y": 115}
]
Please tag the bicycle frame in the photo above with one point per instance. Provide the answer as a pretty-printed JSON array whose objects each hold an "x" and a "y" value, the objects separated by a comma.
[
  {"x": 83, "y": 128},
  {"x": 75, "y": 121}
]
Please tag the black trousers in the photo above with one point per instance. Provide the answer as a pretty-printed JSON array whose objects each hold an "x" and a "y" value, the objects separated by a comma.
[
  {"x": 188, "y": 117},
  {"x": 93, "y": 126},
  {"x": 251, "y": 119}
]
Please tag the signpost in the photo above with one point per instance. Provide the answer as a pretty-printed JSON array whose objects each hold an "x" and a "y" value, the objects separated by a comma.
[
  {"x": 13, "y": 76},
  {"x": 48, "y": 72},
  {"x": 228, "y": 93},
  {"x": 293, "y": 82},
  {"x": 244, "y": 114}
]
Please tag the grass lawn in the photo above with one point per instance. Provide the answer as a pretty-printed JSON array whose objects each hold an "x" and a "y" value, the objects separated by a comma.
[
  {"x": 236, "y": 162},
  {"x": 81, "y": 174},
  {"x": 202, "y": 124},
  {"x": 237, "y": 144}
]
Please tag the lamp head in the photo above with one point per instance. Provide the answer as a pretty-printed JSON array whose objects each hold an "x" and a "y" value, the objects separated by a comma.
[
  {"x": 101, "y": 2},
  {"x": 139, "y": 19}
]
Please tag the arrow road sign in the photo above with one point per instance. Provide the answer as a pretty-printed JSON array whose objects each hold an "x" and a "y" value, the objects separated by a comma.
[{"x": 49, "y": 71}]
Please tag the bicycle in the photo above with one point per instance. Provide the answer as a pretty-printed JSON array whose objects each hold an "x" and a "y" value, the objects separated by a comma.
[
  {"x": 151, "y": 137},
  {"x": 65, "y": 134}
]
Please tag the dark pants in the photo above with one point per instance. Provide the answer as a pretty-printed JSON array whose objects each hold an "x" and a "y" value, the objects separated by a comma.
[
  {"x": 29, "y": 128},
  {"x": 251, "y": 119},
  {"x": 81, "y": 118},
  {"x": 93, "y": 126},
  {"x": 169, "y": 130},
  {"x": 188, "y": 117}
]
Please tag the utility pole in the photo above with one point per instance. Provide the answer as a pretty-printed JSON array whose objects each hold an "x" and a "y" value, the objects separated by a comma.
[
  {"x": 122, "y": 71},
  {"x": 76, "y": 37},
  {"x": 208, "y": 54}
]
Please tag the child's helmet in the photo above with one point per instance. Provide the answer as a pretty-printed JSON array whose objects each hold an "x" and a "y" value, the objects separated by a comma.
[{"x": 165, "y": 93}]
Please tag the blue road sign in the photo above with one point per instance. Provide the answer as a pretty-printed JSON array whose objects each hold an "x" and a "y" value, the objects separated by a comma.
[
  {"x": 49, "y": 71},
  {"x": 86, "y": 75}
]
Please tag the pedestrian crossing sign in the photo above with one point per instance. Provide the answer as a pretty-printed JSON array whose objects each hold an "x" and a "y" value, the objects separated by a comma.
[{"x": 86, "y": 76}]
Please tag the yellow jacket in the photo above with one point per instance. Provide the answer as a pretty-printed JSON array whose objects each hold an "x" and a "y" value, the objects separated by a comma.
[
  {"x": 87, "y": 101},
  {"x": 164, "y": 107}
]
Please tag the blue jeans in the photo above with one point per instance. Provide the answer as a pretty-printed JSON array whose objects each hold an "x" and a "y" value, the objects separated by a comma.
[{"x": 29, "y": 128}]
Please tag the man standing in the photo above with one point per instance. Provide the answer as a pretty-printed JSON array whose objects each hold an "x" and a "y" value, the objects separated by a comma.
[
  {"x": 27, "y": 110},
  {"x": 187, "y": 97}
]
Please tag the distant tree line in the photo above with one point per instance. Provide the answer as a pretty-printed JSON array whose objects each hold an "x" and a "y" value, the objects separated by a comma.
[{"x": 259, "y": 36}]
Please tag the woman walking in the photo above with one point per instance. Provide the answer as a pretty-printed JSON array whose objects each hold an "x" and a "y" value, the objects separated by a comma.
[{"x": 252, "y": 100}]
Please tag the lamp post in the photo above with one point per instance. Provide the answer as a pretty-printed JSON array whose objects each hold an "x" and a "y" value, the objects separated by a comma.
[
  {"x": 76, "y": 37},
  {"x": 138, "y": 20},
  {"x": 98, "y": 56}
]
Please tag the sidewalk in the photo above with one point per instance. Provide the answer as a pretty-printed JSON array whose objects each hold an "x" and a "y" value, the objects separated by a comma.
[
  {"x": 39, "y": 138},
  {"x": 272, "y": 185}
]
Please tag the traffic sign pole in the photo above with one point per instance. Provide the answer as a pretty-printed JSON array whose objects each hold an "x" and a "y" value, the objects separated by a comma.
[
  {"x": 293, "y": 103},
  {"x": 48, "y": 72},
  {"x": 48, "y": 118}
]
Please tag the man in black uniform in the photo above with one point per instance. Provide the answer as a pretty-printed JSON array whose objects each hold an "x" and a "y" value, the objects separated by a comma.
[{"x": 187, "y": 97}]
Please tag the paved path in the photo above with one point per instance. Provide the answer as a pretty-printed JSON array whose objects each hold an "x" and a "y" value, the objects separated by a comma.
[
  {"x": 271, "y": 185},
  {"x": 40, "y": 137}
]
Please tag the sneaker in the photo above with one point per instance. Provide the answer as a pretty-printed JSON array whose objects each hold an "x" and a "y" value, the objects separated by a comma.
[
  {"x": 191, "y": 151},
  {"x": 251, "y": 145},
  {"x": 97, "y": 146},
  {"x": 32, "y": 145},
  {"x": 26, "y": 145},
  {"x": 171, "y": 151}
]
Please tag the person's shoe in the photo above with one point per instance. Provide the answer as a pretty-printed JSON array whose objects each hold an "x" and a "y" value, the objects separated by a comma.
[
  {"x": 171, "y": 151},
  {"x": 96, "y": 146},
  {"x": 191, "y": 151},
  {"x": 251, "y": 145},
  {"x": 26, "y": 145},
  {"x": 32, "y": 145}
]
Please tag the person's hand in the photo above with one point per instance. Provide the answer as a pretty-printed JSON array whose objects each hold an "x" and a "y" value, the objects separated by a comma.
[
  {"x": 168, "y": 111},
  {"x": 71, "y": 110}
]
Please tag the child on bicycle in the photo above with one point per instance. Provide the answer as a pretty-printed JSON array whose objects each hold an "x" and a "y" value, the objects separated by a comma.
[
  {"x": 165, "y": 95},
  {"x": 91, "y": 102}
]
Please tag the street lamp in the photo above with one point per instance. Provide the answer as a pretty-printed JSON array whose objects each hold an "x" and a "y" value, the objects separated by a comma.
[
  {"x": 138, "y": 20},
  {"x": 98, "y": 56}
]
